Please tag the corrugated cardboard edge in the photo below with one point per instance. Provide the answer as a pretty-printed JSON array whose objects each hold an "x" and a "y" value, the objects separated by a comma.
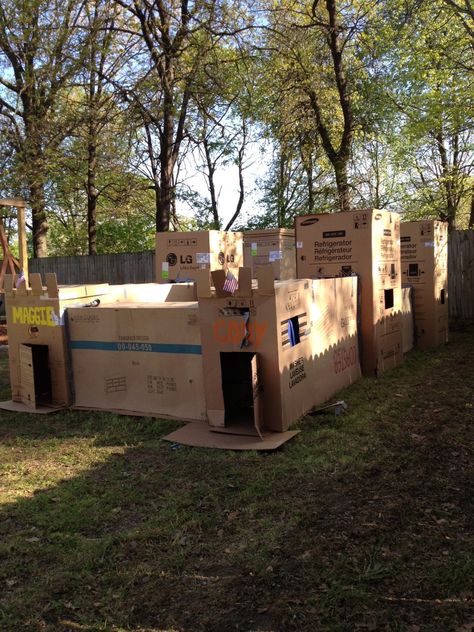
[
  {"x": 19, "y": 407},
  {"x": 199, "y": 435},
  {"x": 137, "y": 413}
]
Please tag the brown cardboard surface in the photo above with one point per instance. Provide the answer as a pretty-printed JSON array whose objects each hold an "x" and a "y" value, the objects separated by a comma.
[
  {"x": 366, "y": 243},
  {"x": 138, "y": 358},
  {"x": 273, "y": 246},
  {"x": 296, "y": 369},
  {"x": 334, "y": 334},
  {"x": 408, "y": 324},
  {"x": 180, "y": 254},
  {"x": 424, "y": 257},
  {"x": 200, "y": 435},
  {"x": 20, "y": 407},
  {"x": 38, "y": 319}
]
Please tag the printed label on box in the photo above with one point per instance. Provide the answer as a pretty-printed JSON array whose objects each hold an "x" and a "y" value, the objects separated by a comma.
[
  {"x": 274, "y": 255},
  {"x": 203, "y": 258},
  {"x": 429, "y": 244},
  {"x": 253, "y": 249},
  {"x": 165, "y": 270},
  {"x": 299, "y": 244}
]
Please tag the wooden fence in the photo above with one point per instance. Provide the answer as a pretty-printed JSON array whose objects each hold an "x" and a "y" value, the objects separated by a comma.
[
  {"x": 461, "y": 275},
  {"x": 140, "y": 268},
  {"x": 136, "y": 267}
]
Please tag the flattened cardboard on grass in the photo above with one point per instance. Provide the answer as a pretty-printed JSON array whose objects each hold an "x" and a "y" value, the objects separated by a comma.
[
  {"x": 200, "y": 435},
  {"x": 366, "y": 243},
  {"x": 38, "y": 359},
  {"x": 138, "y": 358},
  {"x": 270, "y": 354},
  {"x": 424, "y": 256},
  {"x": 272, "y": 246},
  {"x": 180, "y": 255},
  {"x": 19, "y": 407}
]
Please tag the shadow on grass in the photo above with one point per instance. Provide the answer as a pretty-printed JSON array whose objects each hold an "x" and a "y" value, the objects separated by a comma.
[{"x": 363, "y": 522}]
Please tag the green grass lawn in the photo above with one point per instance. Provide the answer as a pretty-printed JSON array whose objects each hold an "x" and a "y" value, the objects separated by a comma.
[{"x": 362, "y": 522}]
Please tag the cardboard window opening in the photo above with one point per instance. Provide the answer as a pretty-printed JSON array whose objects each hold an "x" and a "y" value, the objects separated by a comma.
[
  {"x": 293, "y": 331},
  {"x": 388, "y": 298}
]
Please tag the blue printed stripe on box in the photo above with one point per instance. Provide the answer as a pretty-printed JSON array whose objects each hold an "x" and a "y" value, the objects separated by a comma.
[{"x": 147, "y": 347}]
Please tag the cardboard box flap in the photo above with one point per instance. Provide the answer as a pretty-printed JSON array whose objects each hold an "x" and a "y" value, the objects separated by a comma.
[
  {"x": 244, "y": 282},
  {"x": 8, "y": 283},
  {"x": 265, "y": 279},
  {"x": 218, "y": 280},
  {"x": 52, "y": 285},
  {"x": 36, "y": 283},
  {"x": 203, "y": 283},
  {"x": 199, "y": 435}
]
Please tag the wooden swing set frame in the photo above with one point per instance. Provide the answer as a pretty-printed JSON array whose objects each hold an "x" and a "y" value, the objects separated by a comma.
[{"x": 11, "y": 265}]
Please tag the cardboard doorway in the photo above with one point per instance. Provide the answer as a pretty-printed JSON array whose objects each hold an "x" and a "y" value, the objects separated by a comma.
[
  {"x": 35, "y": 375},
  {"x": 241, "y": 393}
]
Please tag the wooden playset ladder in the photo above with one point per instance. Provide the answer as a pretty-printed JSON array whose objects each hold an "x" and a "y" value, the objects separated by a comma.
[{"x": 10, "y": 264}]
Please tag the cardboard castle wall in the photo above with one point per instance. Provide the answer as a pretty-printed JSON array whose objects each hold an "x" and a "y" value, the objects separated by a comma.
[
  {"x": 365, "y": 243},
  {"x": 424, "y": 260},
  {"x": 38, "y": 358},
  {"x": 138, "y": 358},
  {"x": 273, "y": 246},
  {"x": 289, "y": 345},
  {"x": 180, "y": 255}
]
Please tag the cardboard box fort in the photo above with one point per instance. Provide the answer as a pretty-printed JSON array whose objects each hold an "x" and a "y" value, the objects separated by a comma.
[
  {"x": 272, "y": 353},
  {"x": 179, "y": 255},
  {"x": 38, "y": 358},
  {"x": 365, "y": 243},
  {"x": 424, "y": 257},
  {"x": 408, "y": 324},
  {"x": 275, "y": 246},
  {"x": 138, "y": 358}
]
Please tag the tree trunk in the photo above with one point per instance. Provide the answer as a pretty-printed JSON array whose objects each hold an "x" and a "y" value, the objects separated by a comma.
[
  {"x": 342, "y": 184},
  {"x": 92, "y": 195},
  {"x": 212, "y": 187},
  {"x": 38, "y": 209}
]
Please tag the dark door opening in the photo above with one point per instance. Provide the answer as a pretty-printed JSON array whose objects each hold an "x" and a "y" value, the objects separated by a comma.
[
  {"x": 35, "y": 375},
  {"x": 240, "y": 390}
]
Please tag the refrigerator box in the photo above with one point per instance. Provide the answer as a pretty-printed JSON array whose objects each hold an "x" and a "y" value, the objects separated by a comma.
[
  {"x": 270, "y": 355},
  {"x": 274, "y": 246},
  {"x": 408, "y": 324},
  {"x": 424, "y": 260},
  {"x": 138, "y": 358},
  {"x": 38, "y": 358},
  {"x": 179, "y": 255},
  {"x": 365, "y": 244}
]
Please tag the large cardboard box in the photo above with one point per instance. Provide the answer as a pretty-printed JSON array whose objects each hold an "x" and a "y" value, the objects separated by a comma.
[
  {"x": 270, "y": 354},
  {"x": 138, "y": 358},
  {"x": 367, "y": 244},
  {"x": 179, "y": 255},
  {"x": 424, "y": 256},
  {"x": 38, "y": 357},
  {"x": 274, "y": 246}
]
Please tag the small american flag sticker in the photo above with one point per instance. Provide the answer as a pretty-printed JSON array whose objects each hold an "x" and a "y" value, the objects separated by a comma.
[{"x": 230, "y": 283}]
